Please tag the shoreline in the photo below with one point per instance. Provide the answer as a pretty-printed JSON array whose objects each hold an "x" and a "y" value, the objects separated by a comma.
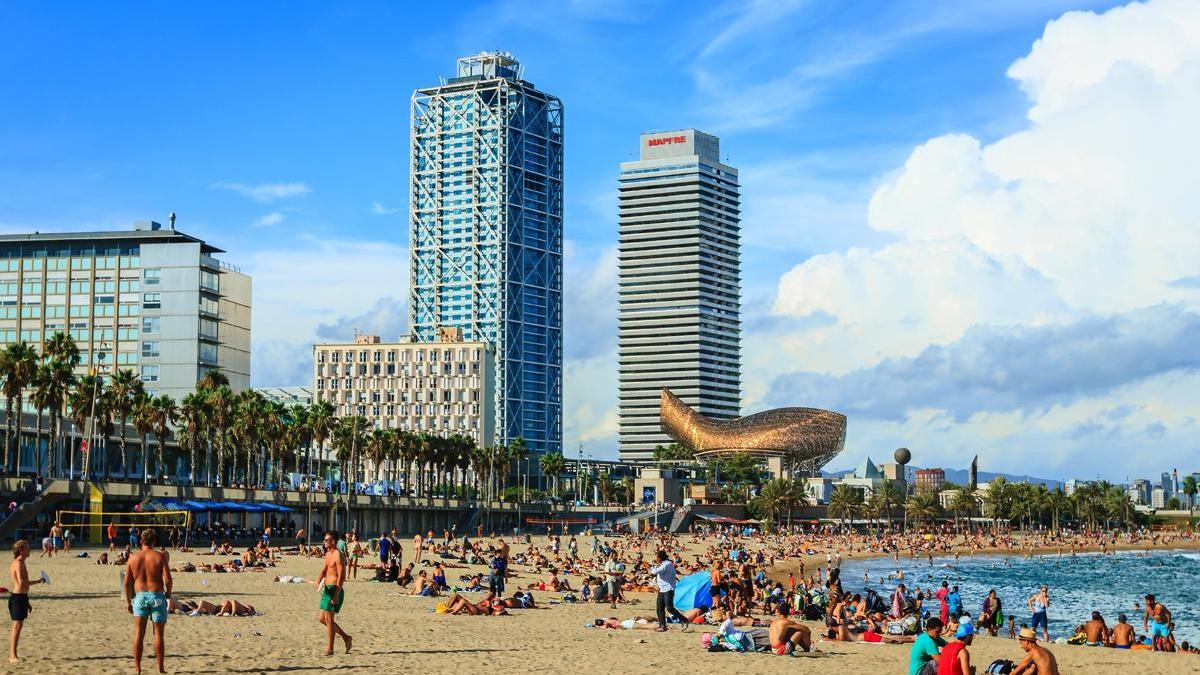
[{"x": 812, "y": 562}]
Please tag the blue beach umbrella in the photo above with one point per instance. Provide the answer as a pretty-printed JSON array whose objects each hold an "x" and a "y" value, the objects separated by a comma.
[{"x": 694, "y": 590}]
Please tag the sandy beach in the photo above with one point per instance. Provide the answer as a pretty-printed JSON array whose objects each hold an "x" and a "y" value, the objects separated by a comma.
[{"x": 79, "y": 624}]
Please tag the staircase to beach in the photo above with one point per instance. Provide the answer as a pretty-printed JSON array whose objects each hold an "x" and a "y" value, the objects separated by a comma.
[{"x": 52, "y": 494}]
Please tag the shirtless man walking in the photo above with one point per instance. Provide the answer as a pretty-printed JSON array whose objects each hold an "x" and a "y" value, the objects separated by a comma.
[
  {"x": 147, "y": 595},
  {"x": 331, "y": 580},
  {"x": 18, "y": 601},
  {"x": 1038, "y": 660}
]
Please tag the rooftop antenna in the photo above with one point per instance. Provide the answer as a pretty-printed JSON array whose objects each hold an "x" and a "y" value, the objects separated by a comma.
[{"x": 171, "y": 218}]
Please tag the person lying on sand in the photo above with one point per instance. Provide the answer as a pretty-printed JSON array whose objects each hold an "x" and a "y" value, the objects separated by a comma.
[
  {"x": 235, "y": 608},
  {"x": 457, "y": 604},
  {"x": 636, "y": 623}
]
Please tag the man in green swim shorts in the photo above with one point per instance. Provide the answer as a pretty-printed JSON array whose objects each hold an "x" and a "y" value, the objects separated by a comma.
[
  {"x": 332, "y": 579},
  {"x": 147, "y": 592}
]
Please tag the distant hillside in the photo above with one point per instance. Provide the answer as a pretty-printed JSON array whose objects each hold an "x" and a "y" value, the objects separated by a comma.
[{"x": 959, "y": 476}]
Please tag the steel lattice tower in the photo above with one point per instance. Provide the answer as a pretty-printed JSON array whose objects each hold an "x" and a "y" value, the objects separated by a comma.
[{"x": 486, "y": 228}]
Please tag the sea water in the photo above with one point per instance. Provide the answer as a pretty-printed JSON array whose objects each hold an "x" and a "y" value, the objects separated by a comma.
[{"x": 1079, "y": 585}]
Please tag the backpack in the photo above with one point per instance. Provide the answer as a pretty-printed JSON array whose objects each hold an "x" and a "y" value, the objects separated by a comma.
[{"x": 1000, "y": 667}]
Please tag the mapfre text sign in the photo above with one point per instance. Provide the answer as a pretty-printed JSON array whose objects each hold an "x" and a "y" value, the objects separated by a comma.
[{"x": 666, "y": 140}]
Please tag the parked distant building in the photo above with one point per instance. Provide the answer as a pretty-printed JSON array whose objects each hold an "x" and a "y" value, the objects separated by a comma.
[
  {"x": 442, "y": 388},
  {"x": 152, "y": 300},
  {"x": 930, "y": 480}
]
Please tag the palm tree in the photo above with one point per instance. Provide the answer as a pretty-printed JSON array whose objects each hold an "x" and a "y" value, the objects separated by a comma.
[
  {"x": 605, "y": 483},
  {"x": 18, "y": 365},
  {"x": 212, "y": 379},
  {"x": 924, "y": 506},
  {"x": 1118, "y": 505},
  {"x": 890, "y": 495},
  {"x": 192, "y": 412},
  {"x": 481, "y": 458},
  {"x": 124, "y": 391},
  {"x": 321, "y": 421},
  {"x": 518, "y": 450},
  {"x": 164, "y": 416},
  {"x": 873, "y": 507},
  {"x": 376, "y": 449},
  {"x": 301, "y": 434},
  {"x": 999, "y": 500},
  {"x": 63, "y": 355},
  {"x": 553, "y": 465},
  {"x": 103, "y": 422},
  {"x": 1190, "y": 487},
  {"x": 143, "y": 422},
  {"x": 220, "y": 410},
  {"x": 1057, "y": 502},
  {"x": 844, "y": 502},
  {"x": 779, "y": 495},
  {"x": 963, "y": 501},
  {"x": 42, "y": 399},
  {"x": 80, "y": 401}
]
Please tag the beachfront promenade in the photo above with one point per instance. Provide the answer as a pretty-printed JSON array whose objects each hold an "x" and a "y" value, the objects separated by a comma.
[{"x": 367, "y": 513}]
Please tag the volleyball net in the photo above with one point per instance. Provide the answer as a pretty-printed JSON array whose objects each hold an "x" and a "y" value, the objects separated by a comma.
[{"x": 94, "y": 524}]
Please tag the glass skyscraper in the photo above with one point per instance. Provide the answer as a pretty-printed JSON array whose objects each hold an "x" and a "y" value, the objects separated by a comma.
[
  {"x": 679, "y": 285},
  {"x": 485, "y": 234}
]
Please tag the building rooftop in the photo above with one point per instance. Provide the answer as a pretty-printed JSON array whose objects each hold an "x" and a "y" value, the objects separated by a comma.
[
  {"x": 867, "y": 470},
  {"x": 286, "y": 395},
  {"x": 144, "y": 232}
]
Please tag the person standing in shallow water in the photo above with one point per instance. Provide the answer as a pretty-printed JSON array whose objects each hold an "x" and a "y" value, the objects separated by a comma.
[{"x": 1038, "y": 604}]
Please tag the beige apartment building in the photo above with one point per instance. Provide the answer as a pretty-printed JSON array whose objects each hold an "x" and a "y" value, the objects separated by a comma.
[{"x": 443, "y": 387}]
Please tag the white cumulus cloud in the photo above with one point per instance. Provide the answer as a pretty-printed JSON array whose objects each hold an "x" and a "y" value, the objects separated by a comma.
[
  {"x": 1091, "y": 210},
  {"x": 264, "y": 192}
]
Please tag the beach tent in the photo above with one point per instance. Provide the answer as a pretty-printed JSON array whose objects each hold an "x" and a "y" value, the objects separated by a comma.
[{"x": 694, "y": 590}]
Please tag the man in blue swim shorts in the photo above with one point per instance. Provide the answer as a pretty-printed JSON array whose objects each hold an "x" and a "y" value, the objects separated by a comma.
[
  {"x": 1157, "y": 622},
  {"x": 147, "y": 592}
]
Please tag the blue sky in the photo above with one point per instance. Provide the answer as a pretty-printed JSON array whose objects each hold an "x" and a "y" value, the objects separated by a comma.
[{"x": 278, "y": 131}]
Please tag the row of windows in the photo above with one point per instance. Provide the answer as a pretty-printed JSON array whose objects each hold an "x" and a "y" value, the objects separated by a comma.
[
  {"x": 390, "y": 369},
  {"x": 404, "y": 383},
  {"x": 101, "y": 263},
  {"x": 389, "y": 356},
  {"x": 419, "y": 424}
]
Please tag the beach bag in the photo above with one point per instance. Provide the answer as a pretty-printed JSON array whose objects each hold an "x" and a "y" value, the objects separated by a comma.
[
  {"x": 1000, "y": 667},
  {"x": 895, "y": 628}
]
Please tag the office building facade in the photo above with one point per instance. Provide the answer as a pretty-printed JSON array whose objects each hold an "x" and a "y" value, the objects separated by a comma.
[
  {"x": 930, "y": 480},
  {"x": 152, "y": 300},
  {"x": 485, "y": 237},
  {"x": 679, "y": 285},
  {"x": 443, "y": 387}
]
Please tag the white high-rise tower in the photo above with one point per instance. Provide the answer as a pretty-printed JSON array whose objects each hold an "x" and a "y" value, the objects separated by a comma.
[{"x": 679, "y": 285}]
